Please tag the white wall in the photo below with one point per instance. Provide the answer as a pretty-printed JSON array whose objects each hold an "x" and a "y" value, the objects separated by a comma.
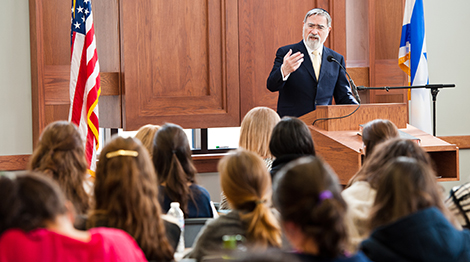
[
  {"x": 15, "y": 79},
  {"x": 447, "y": 46},
  {"x": 448, "y": 56}
]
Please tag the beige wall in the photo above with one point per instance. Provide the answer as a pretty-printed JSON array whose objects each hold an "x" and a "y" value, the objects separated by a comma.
[
  {"x": 448, "y": 56},
  {"x": 15, "y": 79}
]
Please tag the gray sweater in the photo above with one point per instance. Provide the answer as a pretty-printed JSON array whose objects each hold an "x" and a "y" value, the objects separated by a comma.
[{"x": 209, "y": 241}]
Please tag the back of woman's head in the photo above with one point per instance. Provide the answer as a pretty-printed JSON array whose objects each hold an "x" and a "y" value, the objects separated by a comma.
[
  {"x": 173, "y": 163},
  {"x": 29, "y": 200},
  {"x": 247, "y": 185},
  {"x": 60, "y": 155},
  {"x": 256, "y": 129},
  {"x": 372, "y": 169},
  {"x": 291, "y": 136},
  {"x": 126, "y": 195},
  {"x": 146, "y": 134},
  {"x": 307, "y": 194},
  {"x": 377, "y": 131},
  {"x": 407, "y": 186}
]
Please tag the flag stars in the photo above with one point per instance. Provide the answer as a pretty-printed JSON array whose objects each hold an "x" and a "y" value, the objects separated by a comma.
[
  {"x": 86, "y": 11},
  {"x": 80, "y": 9},
  {"x": 77, "y": 25},
  {"x": 86, "y": 1},
  {"x": 83, "y": 19}
]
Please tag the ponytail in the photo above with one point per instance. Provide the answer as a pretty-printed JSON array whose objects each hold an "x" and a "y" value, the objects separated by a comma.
[
  {"x": 263, "y": 227},
  {"x": 176, "y": 186},
  {"x": 307, "y": 193},
  {"x": 247, "y": 185}
]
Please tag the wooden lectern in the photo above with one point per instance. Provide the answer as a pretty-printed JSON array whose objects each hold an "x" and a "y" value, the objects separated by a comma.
[{"x": 337, "y": 141}]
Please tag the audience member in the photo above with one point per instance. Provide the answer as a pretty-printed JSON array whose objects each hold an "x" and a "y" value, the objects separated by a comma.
[
  {"x": 176, "y": 173},
  {"x": 290, "y": 140},
  {"x": 409, "y": 219},
  {"x": 308, "y": 196},
  {"x": 146, "y": 134},
  {"x": 246, "y": 183},
  {"x": 376, "y": 132},
  {"x": 458, "y": 203},
  {"x": 60, "y": 155},
  {"x": 360, "y": 193},
  {"x": 126, "y": 197},
  {"x": 39, "y": 227},
  {"x": 255, "y": 134}
]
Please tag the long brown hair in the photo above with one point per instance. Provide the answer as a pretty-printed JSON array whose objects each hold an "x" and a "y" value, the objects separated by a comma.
[
  {"x": 377, "y": 131},
  {"x": 407, "y": 186},
  {"x": 247, "y": 185},
  {"x": 126, "y": 196},
  {"x": 307, "y": 193},
  {"x": 256, "y": 129},
  {"x": 173, "y": 164},
  {"x": 60, "y": 155},
  {"x": 28, "y": 201},
  {"x": 372, "y": 169}
]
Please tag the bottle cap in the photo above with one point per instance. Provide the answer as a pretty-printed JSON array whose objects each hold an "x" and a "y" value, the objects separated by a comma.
[{"x": 175, "y": 204}]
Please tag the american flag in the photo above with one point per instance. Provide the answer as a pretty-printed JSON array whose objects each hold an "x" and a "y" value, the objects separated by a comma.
[{"x": 85, "y": 79}]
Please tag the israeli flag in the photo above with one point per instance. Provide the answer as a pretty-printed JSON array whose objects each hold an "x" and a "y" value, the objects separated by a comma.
[{"x": 412, "y": 58}]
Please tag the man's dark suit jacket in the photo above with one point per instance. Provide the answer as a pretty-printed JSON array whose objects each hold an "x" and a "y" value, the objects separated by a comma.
[{"x": 301, "y": 92}]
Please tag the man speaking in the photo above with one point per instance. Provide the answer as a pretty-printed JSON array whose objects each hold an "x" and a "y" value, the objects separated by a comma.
[{"x": 303, "y": 75}]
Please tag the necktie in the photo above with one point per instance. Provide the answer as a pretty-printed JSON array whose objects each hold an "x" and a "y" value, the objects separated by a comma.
[{"x": 316, "y": 63}]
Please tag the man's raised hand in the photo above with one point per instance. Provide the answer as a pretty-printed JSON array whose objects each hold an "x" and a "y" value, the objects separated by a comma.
[{"x": 291, "y": 62}]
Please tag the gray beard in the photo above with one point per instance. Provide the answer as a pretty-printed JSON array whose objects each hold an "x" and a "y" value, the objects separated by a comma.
[{"x": 313, "y": 44}]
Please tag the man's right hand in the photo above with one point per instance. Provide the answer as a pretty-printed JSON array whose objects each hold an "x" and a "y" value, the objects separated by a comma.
[{"x": 291, "y": 62}]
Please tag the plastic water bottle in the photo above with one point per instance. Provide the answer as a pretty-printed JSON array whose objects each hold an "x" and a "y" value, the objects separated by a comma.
[{"x": 176, "y": 212}]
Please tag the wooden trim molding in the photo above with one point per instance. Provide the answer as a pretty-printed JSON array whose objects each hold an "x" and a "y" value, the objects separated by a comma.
[
  {"x": 14, "y": 162},
  {"x": 207, "y": 163},
  {"x": 462, "y": 142},
  {"x": 203, "y": 163}
]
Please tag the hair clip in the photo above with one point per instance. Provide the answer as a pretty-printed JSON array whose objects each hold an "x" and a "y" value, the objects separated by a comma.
[
  {"x": 122, "y": 153},
  {"x": 326, "y": 194},
  {"x": 261, "y": 201}
]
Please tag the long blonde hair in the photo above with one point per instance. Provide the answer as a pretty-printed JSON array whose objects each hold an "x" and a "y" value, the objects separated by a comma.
[
  {"x": 146, "y": 134},
  {"x": 256, "y": 129},
  {"x": 247, "y": 185}
]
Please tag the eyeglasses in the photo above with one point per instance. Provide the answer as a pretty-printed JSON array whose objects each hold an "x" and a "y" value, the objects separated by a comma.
[{"x": 319, "y": 27}]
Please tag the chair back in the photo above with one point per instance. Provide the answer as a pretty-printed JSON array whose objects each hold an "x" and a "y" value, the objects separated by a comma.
[{"x": 192, "y": 226}]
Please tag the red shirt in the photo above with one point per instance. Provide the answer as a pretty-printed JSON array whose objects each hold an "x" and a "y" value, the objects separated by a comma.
[{"x": 106, "y": 244}]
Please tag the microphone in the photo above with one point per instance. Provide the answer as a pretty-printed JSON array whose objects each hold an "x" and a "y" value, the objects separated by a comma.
[{"x": 351, "y": 82}]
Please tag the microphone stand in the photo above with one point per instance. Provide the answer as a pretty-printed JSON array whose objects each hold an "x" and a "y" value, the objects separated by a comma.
[{"x": 434, "y": 91}]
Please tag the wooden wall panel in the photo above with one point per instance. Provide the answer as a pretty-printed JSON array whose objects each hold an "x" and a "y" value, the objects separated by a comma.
[
  {"x": 50, "y": 60},
  {"x": 264, "y": 26},
  {"x": 385, "y": 20},
  {"x": 179, "y": 63},
  {"x": 56, "y": 32}
]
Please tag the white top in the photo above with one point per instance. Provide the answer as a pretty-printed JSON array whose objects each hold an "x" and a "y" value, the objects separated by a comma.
[{"x": 360, "y": 197}]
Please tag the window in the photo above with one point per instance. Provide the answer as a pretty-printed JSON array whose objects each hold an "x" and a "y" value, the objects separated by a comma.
[{"x": 202, "y": 141}]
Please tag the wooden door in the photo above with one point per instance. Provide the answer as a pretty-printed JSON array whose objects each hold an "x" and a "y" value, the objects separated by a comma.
[{"x": 179, "y": 63}]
